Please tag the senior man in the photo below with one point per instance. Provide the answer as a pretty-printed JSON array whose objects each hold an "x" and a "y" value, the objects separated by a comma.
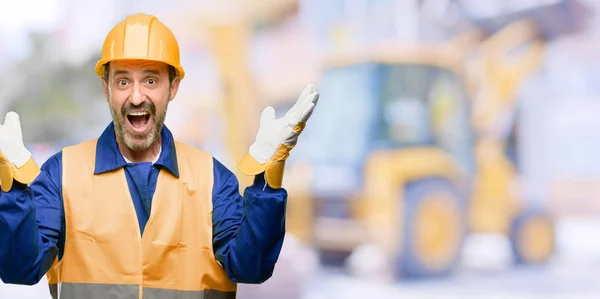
[{"x": 134, "y": 213}]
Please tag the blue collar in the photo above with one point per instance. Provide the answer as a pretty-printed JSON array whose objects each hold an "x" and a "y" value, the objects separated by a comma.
[{"x": 108, "y": 157}]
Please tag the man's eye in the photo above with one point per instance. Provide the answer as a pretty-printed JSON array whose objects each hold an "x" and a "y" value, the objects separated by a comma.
[
  {"x": 122, "y": 82},
  {"x": 151, "y": 81}
]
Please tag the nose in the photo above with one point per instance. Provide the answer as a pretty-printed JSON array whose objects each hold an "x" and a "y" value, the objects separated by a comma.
[{"x": 137, "y": 96}]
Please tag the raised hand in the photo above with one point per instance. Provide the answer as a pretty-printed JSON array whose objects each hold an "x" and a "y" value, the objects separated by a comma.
[
  {"x": 15, "y": 160},
  {"x": 276, "y": 137}
]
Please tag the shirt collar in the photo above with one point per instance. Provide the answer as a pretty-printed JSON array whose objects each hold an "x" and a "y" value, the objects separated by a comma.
[
  {"x": 153, "y": 160},
  {"x": 109, "y": 158}
]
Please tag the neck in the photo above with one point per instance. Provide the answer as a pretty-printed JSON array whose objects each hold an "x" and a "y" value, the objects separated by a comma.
[{"x": 147, "y": 155}]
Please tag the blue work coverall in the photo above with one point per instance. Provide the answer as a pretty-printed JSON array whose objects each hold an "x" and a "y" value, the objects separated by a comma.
[{"x": 248, "y": 231}]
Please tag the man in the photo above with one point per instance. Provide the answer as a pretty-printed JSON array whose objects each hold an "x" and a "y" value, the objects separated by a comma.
[{"x": 135, "y": 214}]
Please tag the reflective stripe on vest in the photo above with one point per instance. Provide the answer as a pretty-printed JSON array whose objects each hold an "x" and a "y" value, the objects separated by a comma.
[
  {"x": 104, "y": 255},
  {"x": 101, "y": 291}
]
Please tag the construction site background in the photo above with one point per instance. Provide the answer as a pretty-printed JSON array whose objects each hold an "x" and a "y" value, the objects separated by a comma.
[{"x": 240, "y": 56}]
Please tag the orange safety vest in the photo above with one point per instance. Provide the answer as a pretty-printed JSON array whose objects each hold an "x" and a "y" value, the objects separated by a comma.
[{"x": 104, "y": 255}]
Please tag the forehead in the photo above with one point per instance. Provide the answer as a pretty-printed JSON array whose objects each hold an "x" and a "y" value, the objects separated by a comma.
[{"x": 133, "y": 66}]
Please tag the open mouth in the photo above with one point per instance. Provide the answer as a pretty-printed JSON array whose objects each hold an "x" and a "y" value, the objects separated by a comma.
[{"x": 139, "y": 121}]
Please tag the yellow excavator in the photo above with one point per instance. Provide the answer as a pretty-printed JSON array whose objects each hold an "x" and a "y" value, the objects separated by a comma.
[{"x": 410, "y": 149}]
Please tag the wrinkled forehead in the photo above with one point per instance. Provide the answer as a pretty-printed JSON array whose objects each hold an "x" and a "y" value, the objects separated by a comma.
[{"x": 139, "y": 67}]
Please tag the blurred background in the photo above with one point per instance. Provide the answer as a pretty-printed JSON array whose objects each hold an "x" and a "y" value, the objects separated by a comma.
[{"x": 453, "y": 153}]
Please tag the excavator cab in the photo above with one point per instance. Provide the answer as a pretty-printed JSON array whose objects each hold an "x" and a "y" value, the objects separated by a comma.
[
  {"x": 390, "y": 105},
  {"x": 386, "y": 105}
]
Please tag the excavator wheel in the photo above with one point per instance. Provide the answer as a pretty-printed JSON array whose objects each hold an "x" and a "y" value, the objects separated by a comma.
[
  {"x": 434, "y": 228},
  {"x": 532, "y": 238}
]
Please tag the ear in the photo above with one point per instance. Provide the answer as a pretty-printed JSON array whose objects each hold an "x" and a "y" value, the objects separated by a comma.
[
  {"x": 105, "y": 89},
  {"x": 174, "y": 87}
]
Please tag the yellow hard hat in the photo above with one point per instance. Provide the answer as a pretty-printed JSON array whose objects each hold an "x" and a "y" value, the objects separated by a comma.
[{"x": 140, "y": 37}]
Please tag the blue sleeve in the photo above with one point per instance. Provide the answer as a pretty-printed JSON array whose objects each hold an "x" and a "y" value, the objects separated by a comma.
[
  {"x": 248, "y": 231},
  {"x": 30, "y": 225}
]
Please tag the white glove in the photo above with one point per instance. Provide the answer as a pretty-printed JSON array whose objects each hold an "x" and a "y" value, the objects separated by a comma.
[
  {"x": 273, "y": 132},
  {"x": 11, "y": 140},
  {"x": 276, "y": 138},
  {"x": 16, "y": 163}
]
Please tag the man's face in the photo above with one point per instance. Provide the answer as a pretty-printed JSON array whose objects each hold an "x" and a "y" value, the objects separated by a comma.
[{"x": 138, "y": 93}]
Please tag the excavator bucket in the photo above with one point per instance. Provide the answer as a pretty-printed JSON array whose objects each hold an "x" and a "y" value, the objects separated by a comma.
[{"x": 563, "y": 17}]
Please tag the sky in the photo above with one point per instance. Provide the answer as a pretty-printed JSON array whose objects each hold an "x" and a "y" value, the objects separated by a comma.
[
  {"x": 29, "y": 13},
  {"x": 22, "y": 16}
]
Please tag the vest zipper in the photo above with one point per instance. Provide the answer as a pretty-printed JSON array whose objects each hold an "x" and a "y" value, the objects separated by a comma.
[
  {"x": 140, "y": 236},
  {"x": 139, "y": 240}
]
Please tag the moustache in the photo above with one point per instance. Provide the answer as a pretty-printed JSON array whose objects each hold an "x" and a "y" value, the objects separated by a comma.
[{"x": 143, "y": 107}]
